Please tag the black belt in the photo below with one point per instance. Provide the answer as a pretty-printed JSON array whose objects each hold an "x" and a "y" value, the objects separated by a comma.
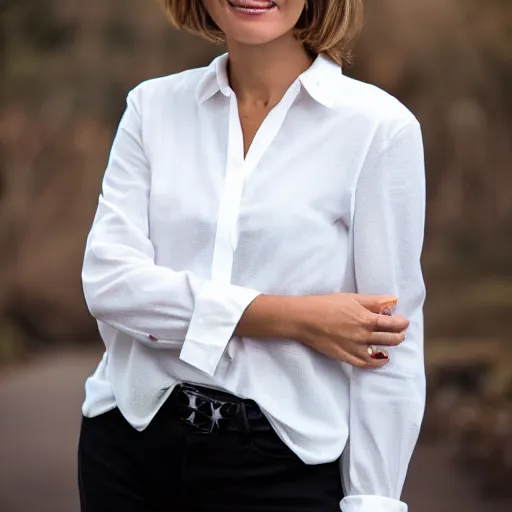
[{"x": 207, "y": 410}]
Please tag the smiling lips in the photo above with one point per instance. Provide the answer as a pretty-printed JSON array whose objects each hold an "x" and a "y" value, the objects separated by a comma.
[{"x": 252, "y": 6}]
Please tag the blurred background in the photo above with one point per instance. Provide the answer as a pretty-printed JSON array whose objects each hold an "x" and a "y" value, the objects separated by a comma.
[{"x": 66, "y": 67}]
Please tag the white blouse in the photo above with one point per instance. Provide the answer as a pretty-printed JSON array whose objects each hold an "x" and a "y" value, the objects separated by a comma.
[{"x": 330, "y": 198}]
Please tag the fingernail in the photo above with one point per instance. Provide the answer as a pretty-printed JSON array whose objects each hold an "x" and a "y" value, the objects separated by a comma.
[{"x": 388, "y": 307}]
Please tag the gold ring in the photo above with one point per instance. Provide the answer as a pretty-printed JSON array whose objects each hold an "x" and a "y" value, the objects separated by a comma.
[{"x": 377, "y": 353}]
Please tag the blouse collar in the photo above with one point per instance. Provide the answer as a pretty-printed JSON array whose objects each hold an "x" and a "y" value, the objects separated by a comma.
[{"x": 321, "y": 80}]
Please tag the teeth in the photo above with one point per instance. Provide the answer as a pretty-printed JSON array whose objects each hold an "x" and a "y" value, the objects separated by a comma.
[
  {"x": 251, "y": 7},
  {"x": 254, "y": 10}
]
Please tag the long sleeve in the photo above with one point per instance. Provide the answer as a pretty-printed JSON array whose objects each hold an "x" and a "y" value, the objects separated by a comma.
[
  {"x": 387, "y": 405},
  {"x": 123, "y": 286}
]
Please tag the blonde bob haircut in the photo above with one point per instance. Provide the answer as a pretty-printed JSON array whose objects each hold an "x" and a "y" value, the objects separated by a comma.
[{"x": 329, "y": 27}]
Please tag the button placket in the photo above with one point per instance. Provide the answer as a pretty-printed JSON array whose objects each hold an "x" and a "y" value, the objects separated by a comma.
[
  {"x": 230, "y": 199},
  {"x": 264, "y": 137},
  {"x": 237, "y": 172}
]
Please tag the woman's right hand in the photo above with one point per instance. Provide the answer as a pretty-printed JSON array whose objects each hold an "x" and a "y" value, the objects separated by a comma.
[{"x": 343, "y": 326}]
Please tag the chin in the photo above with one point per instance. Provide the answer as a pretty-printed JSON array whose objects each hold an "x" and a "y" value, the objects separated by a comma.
[
  {"x": 253, "y": 37},
  {"x": 254, "y": 22}
]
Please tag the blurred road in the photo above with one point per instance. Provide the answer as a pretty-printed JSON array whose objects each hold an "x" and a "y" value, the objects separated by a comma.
[{"x": 39, "y": 421}]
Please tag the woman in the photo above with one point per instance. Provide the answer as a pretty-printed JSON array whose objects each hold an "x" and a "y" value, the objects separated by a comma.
[{"x": 255, "y": 218}]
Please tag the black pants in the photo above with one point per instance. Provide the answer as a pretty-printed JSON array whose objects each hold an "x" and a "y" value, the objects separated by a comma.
[{"x": 172, "y": 466}]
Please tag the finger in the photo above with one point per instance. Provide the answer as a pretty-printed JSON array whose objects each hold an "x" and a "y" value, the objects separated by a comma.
[
  {"x": 365, "y": 361},
  {"x": 376, "y": 303},
  {"x": 386, "y": 339},
  {"x": 395, "y": 323},
  {"x": 378, "y": 353},
  {"x": 357, "y": 361},
  {"x": 376, "y": 356}
]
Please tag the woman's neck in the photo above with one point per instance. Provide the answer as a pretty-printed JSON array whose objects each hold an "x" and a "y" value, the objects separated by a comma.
[{"x": 261, "y": 74}]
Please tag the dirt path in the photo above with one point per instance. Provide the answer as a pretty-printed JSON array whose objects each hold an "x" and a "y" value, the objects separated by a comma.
[{"x": 39, "y": 421}]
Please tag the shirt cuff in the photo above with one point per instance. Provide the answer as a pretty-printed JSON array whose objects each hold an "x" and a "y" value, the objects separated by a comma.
[
  {"x": 218, "y": 309},
  {"x": 372, "y": 504}
]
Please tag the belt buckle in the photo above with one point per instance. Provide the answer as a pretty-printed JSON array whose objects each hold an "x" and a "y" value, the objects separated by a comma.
[
  {"x": 204, "y": 429},
  {"x": 191, "y": 405}
]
